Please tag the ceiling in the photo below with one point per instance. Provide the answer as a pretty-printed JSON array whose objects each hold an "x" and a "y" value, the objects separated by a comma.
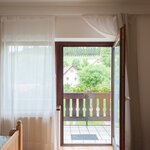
[
  {"x": 78, "y": 3},
  {"x": 71, "y": 1}
]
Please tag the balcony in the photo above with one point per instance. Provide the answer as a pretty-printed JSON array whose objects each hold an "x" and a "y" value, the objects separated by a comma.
[{"x": 87, "y": 118}]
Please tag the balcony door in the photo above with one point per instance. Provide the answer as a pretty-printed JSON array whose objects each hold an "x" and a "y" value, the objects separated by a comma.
[
  {"x": 118, "y": 94},
  {"x": 84, "y": 92}
]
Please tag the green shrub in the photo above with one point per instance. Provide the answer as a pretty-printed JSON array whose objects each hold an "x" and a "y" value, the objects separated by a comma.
[{"x": 81, "y": 88}]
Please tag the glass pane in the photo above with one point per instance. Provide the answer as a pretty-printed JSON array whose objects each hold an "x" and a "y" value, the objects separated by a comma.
[
  {"x": 116, "y": 94},
  {"x": 87, "y": 88}
]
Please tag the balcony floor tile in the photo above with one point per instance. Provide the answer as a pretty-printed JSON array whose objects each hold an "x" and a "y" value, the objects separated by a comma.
[{"x": 103, "y": 134}]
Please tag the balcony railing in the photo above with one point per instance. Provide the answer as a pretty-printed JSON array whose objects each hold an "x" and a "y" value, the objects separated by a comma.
[{"x": 87, "y": 106}]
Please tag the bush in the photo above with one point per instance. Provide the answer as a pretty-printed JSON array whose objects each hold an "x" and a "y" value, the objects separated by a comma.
[
  {"x": 67, "y": 88},
  {"x": 81, "y": 88},
  {"x": 94, "y": 75}
]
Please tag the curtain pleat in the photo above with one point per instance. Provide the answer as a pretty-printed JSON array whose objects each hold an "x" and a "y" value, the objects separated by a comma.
[
  {"x": 28, "y": 79},
  {"x": 105, "y": 25}
]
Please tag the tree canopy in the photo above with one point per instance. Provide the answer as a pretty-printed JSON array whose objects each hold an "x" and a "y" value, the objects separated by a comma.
[{"x": 94, "y": 75}]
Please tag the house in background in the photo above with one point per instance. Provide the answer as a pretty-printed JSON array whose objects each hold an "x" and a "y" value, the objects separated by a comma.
[{"x": 71, "y": 76}]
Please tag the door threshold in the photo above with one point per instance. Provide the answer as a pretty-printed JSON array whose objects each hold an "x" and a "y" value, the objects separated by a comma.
[{"x": 86, "y": 147}]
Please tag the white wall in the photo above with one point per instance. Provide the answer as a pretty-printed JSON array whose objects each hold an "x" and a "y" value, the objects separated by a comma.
[
  {"x": 131, "y": 7},
  {"x": 143, "y": 47}
]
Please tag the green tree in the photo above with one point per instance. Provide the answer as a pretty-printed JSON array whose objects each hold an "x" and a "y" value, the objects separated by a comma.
[
  {"x": 66, "y": 64},
  {"x": 76, "y": 63},
  {"x": 81, "y": 51},
  {"x": 105, "y": 56},
  {"x": 92, "y": 76},
  {"x": 85, "y": 62}
]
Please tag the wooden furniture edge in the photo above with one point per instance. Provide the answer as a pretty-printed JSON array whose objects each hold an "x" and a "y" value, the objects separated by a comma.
[{"x": 18, "y": 131}]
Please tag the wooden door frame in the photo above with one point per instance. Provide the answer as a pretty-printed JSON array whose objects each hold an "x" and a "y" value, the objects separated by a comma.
[
  {"x": 59, "y": 74},
  {"x": 122, "y": 88},
  {"x": 121, "y": 36}
]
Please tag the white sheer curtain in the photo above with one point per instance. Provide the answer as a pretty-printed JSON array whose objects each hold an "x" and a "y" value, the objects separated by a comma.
[
  {"x": 103, "y": 24},
  {"x": 108, "y": 26},
  {"x": 28, "y": 79}
]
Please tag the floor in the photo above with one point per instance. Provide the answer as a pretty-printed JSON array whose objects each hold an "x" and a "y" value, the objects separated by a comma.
[
  {"x": 102, "y": 134},
  {"x": 88, "y": 148}
]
